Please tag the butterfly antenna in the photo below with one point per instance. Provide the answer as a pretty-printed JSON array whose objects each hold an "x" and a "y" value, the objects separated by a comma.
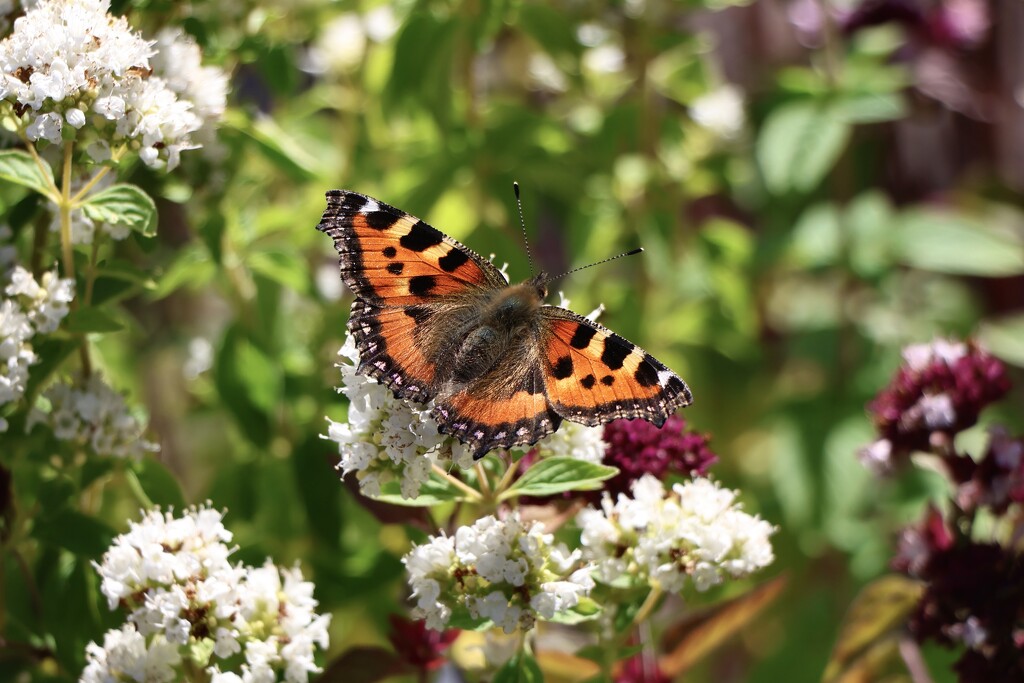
[
  {"x": 576, "y": 270},
  {"x": 519, "y": 205}
]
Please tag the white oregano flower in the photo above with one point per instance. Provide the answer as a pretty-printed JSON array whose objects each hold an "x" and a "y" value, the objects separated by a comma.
[
  {"x": 695, "y": 532},
  {"x": 69, "y": 67},
  {"x": 505, "y": 571},
  {"x": 385, "y": 438},
  {"x": 29, "y": 308},
  {"x": 186, "y": 601},
  {"x": 87, "y": 411}
]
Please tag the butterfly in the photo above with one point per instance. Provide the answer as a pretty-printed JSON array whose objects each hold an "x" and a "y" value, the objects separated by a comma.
[{"x": 433, "y": 321}]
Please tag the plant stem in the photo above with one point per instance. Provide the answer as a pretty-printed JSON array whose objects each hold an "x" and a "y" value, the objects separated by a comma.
[
  {"x": 506, "y": 479},
  {"x": 458, "y": 483},
  {"x": 649, "y": 604},
  {"x": 66, "y": 248},
  {"x": 484, "y": 482},
  {"x": 65, "y": 213}
]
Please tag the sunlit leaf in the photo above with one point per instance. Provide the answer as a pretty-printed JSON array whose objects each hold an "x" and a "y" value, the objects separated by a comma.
[
  {"x": 20, "y": 168},
  {"x": 125, "y": 205},
  {"x": 798, "y": 144},
  {"x": 876, "y": 615},
  {"x": 690, "y": 641},
  {"x": 434, "y": 491},
  {"x": 555, "y": 475},
  {"x": 950, "y": 242}
]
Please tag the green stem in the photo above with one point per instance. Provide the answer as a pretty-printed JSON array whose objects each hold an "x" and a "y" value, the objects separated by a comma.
[
  {"x": 458, "y": 483},
  {"x": 649, "y": 604},
  {"x": 76, "y": 200},
  {"x": 66, "y": 248}
]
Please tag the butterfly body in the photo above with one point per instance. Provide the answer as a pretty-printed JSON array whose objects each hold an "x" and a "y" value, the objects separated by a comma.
[{"x": 434, "y": 321}]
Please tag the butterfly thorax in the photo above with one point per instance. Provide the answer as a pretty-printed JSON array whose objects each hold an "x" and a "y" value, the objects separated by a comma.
[{"x": 505, "y": 320}]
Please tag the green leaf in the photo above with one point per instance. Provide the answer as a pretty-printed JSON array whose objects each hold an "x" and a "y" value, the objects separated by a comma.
[
  {"x": 280, "y": 148},
  {"x": 434, "y": 491},
  {"x": 954, "y": 243},
  {"x": 555, "y": 475},
  {"x": 20, "y": 168},
  {"x": 1004, "y": 337},
  {"x": 798, "y": 144},
  {"x": 586, "y": 610},
  {"x": 81, "y": 534},
  {"x": 157, "y": 483},
  {"x": 871, "y": 107},
  {"x": 123, "y": 204},
  {"x": 522, "y": 668},
  {"x": 86, "y": 320},
  {"x": 285, "y": 268}
]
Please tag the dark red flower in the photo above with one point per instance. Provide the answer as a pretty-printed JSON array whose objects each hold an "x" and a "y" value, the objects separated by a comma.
[
  {"x": 973, "y": 598},
  {"x": 637, "y": 448},
  {"x": 938, "y": 391},
  {"x": 641, "y": 669},
  {"x": 419, "y": 646},
  {"x": 995, "y": 481}
]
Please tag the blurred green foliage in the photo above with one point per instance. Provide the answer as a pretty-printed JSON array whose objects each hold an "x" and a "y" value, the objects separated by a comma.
[{"x": 792, "y": 245}]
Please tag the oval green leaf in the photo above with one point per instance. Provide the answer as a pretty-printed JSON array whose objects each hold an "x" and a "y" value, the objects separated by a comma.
[
  {"x": 123, "y": 204},
  {"x": 20, "y": 168},
  {"x": 555, "y": 475}
]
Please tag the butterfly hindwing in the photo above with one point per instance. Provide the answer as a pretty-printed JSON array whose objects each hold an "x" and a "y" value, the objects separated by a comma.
[
  {"x": 505, "y": 407},
  {"x": 390, "y": 258},
  {"x": 593, "y": 375}
]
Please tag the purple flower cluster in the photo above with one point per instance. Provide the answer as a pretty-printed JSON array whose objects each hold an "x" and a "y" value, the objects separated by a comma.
[
  {"x": 974, "y": 596},
  {"x": 973, "y": 584},
  {"x": 637, "y": 448},
  {"x": 938, "y": 391}
]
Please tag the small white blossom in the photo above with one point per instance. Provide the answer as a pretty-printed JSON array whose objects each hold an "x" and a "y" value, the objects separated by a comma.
[
  {"x": 720, "y": 111},
  {"x": 127, "y": 656},
  {"x": 175, "y": 576},
  {"x": 32, "y": 308},
  {"x": 66, "y": 59},
  {"x": 90, "y": 413},
  {"x": 385, "y": 439},
  {"x": 574, "y": 440},
  {"x": 504, "y": 571},
  {"x": 695, "y": 532},
  {"x": 178, "y": 60}
]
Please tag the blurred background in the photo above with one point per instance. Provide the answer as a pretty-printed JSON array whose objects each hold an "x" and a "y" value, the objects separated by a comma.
[{"x": 815, "y": 185}]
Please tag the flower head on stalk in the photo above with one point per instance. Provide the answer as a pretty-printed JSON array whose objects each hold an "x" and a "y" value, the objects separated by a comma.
[
  {"x": 386, "y": 438},
  {"x": 638, "y": 447},
  {"x": 938, "y": 392},
  {"x": 505, "y": 571},
  {"x": 184, "y": 597},
  {"x": 974, "y": 597},
  {"x": 694, "y": 533},
  {"x": 88, "y": 412},
  {"x": 70, "y": 68}
]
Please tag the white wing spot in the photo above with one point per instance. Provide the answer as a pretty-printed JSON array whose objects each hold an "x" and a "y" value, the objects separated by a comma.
[
  {"x": 369, "y": 207},
  {"x": 664, "y": 376}
]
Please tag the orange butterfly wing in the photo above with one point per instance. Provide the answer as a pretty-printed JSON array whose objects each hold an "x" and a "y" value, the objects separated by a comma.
[
  {"x": 505, "y": 407},
  {"x": 413, "y": 284},
  {"x": 390, "y": 258},
  {"x": 593, "y": 375}
]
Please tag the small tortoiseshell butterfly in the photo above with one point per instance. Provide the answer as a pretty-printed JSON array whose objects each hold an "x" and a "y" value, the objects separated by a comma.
[{"x": 434, "y": 321}]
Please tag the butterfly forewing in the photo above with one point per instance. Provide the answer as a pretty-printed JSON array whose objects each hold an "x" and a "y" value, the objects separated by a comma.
[
  {"x": 594, "y": 375},
  {"x": 390, "y": 258}
]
